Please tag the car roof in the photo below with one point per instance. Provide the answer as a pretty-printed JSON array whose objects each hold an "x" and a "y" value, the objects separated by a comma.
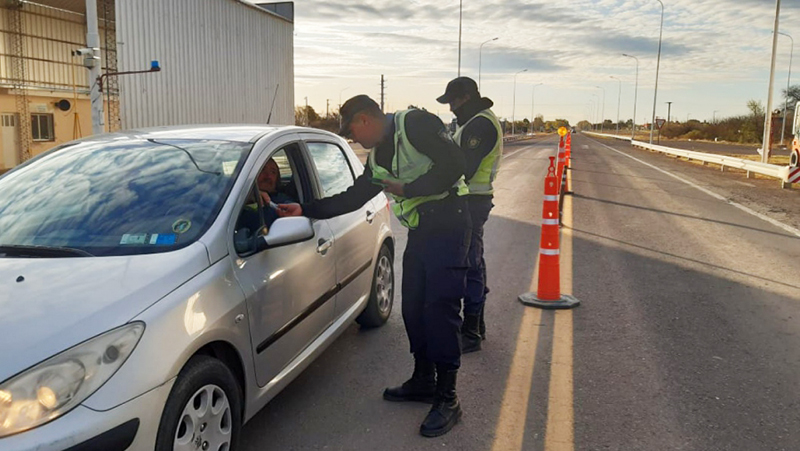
[{"x": 223, "y": 132}]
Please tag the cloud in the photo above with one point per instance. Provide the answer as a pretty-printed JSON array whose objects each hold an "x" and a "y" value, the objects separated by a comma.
[{"x": 566, "y": 44}]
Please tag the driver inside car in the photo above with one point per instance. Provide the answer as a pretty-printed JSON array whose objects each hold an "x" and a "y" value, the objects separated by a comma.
[{"x": 268, "y": 182}]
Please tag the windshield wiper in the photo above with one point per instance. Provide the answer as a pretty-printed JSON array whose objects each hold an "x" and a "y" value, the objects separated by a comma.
[{"x": 15, "y": 250}]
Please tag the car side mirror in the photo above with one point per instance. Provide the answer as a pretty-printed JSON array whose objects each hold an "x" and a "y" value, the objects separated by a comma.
[{"x": 286, "y": 231}]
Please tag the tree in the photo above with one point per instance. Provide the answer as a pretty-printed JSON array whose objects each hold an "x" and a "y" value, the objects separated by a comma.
[
  {"x": 538, "y": 122},
  {"x": 305, "y": 115},
  {"x": 584, "y": 125},
  {"x": 756, "y": 108},
  {"x": 792, "y": 96}
]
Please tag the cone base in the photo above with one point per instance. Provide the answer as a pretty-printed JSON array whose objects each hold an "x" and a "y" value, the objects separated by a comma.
[{"x": 566, "y": 302}]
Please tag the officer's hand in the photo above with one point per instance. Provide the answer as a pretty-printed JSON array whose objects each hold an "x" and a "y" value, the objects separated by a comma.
[
  {"x": 286, "y": 210},
  {"x": 394, "y": 187}
]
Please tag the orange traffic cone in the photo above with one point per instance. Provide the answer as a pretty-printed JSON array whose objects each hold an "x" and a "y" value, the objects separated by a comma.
[
  {"x": 562, "y": 162},
  {"x": 548, "y": 295},
  {"x": 568, "y": 164},
  {"x": 569, "y": 148}
]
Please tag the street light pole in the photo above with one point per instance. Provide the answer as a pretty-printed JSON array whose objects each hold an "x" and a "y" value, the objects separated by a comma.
[
  {"x": 603, "y": 114},
  {"x": 533, "y": 91},
  {"x": 460, "y": 5},
  {"x": 714, "y": 117},
  {"x": 768, "y": 112},
  {"x": 514, "y": 102},
  {"x": 658, "y": 66},
  {"x": 480, "y": 51},
  {"x": 635, "y": 93},
  {"x": 788, "y": 80},
  {"x": 619, "y": 95},
  {"x": 596, "y": 109}
]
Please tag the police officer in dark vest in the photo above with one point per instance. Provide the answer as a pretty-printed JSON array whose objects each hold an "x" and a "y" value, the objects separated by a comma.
[
  {"x": 480, "y": 136},
  {"x": 416, "y": 161}
]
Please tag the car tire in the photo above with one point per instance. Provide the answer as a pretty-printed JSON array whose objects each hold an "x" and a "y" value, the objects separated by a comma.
[
  {"x": 381, "y": 296},
  {"x": 203, "y": 408}
]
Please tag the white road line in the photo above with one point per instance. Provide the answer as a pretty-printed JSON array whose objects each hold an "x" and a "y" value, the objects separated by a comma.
[{"x": 772, "y": 221}]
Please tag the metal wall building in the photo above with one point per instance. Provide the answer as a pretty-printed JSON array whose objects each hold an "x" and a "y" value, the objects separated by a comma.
[{"x": 222, "y": 61}]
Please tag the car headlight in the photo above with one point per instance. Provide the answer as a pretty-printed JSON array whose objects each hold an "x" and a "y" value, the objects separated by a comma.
[{"x": 57, "y": 385}]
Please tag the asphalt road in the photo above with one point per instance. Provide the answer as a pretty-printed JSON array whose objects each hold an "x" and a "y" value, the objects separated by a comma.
[{"x": 687, "y": 337}]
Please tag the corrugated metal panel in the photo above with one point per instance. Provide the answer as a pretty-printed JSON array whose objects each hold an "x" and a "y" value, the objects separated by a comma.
[{"x": 221, "y": 61}]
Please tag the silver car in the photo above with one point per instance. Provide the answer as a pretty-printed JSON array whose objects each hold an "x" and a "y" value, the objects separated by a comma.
[{"x": 149, "y": 297}]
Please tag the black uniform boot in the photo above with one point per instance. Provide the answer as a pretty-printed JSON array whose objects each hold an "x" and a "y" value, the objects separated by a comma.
[
  {"x": 446, "y": 410},
  {"x": 470, "y": 334},
  {"x": 420, "y": 388}
]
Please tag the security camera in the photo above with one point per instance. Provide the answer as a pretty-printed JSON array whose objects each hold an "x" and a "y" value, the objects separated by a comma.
[{"x": 83, "y": 52}]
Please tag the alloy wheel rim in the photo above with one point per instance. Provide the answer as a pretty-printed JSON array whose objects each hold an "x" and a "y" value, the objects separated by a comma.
[
  {"x": 384, "y": 284},
  {"x": 206, "y": 422}
]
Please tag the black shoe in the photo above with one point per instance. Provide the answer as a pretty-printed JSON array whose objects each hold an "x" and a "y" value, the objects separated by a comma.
[
  {"x": 470, "y": 334},
  {"x": 446, "y": 410},
  {"x": 420, "y": 388}
]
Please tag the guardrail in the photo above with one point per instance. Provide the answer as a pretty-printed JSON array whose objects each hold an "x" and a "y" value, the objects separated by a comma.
[{"x": 770, "y": 170}]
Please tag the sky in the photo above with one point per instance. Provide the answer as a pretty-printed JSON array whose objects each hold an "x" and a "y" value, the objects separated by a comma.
[{"x": 715, "y": 55}]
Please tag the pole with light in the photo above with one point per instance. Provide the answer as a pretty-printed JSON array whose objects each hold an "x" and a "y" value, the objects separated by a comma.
[
  {"x": 603, "y": 114},
  {"x": 768, "y": 112},
  {"x": 533, "y": 91},
  {"x": 596, "y": 109},
  {"x": 480, "y": 50},
  {"x": 658, "y": 66},
  {"x": 514, "y": 102},
  {"x": 635, "y": 93},
  {"x": 788, "y": 80},
  {"x": 619, "y": 96},
  {"x": 460, "y": 8}
]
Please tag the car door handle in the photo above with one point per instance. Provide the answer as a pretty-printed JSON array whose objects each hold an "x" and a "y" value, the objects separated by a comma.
[
  {"x": 371, "y": 216},
  {"x": 323, "y": 245}
]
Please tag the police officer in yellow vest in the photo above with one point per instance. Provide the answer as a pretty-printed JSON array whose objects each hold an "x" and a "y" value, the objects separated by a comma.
[
  {"x": 480, "y": 137},
  {"x": 416, "y": 161}
]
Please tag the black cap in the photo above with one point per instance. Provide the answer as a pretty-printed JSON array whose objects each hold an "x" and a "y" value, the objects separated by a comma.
[
  {"x": 458, "y": 87},
  {"x": 353, "y": 106}
]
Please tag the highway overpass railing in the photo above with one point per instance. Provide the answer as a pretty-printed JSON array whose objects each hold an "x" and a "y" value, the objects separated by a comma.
[{"x": 725, "y": 161}]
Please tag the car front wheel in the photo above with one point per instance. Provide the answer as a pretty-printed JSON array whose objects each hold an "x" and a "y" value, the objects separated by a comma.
[{"x": 203, "y": 411}]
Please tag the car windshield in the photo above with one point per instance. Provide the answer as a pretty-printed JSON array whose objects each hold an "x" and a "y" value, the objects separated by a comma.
[{"x": 132, "y": 196}]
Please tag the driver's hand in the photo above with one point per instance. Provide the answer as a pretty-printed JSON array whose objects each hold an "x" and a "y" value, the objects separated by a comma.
[
  {"x": 265, "y": 197},
  {"x": 285, "y": 210}
]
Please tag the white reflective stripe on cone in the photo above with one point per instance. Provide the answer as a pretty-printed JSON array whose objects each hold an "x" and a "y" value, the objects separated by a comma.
[
  {"x": 549, "y": 251},
  {"x": 549, "y": 221},
  {"x": 550, "y": 198}
]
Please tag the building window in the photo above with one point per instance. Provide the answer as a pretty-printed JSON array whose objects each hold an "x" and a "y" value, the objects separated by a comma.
[{"x": 42, "y": 127}]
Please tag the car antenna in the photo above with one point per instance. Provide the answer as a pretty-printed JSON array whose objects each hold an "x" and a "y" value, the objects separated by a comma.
[
  {"x": 187, "y": 154},
  {"x": 273, "y": 103}
]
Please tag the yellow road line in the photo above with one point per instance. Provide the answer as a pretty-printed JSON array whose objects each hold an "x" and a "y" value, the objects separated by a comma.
[
  {"x": 510, "y": 430},
  {"x": 560, "y": 434}
]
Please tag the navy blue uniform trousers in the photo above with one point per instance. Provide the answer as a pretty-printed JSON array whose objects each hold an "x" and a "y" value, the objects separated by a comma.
[
  {"x": 434, "y": 279},
  {"x": 475, "y": 297}
]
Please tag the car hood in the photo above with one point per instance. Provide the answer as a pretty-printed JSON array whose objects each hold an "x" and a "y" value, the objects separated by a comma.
[{"x": 64, "y": 301}]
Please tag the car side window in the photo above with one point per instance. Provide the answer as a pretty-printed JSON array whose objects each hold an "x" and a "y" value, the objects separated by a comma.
[
  {"x": 335, "y": 173},
  {"x": 278, "y": 182}
]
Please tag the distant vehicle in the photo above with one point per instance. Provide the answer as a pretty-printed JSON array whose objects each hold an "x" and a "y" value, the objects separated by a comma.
[{"x": 147, "y": 304}]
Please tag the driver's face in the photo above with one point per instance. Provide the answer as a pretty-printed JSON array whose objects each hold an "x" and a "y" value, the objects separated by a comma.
[{"x": 269, "y": 176}]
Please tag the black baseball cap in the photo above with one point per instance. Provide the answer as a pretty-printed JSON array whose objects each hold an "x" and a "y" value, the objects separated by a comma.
[
  {"x": 458, "y": 87},
  {"x": 353, "y": 106}
]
